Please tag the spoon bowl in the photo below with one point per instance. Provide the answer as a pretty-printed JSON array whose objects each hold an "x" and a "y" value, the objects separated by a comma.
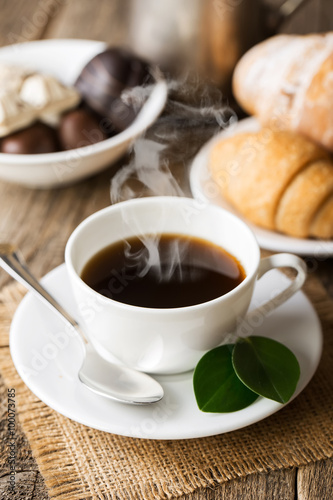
[{"x": 110, "y": 380}]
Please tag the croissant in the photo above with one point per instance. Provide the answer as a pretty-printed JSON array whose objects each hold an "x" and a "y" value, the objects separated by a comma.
[
  {"x": 287, "y": 82},
  {"x": 278, "y": 180}
]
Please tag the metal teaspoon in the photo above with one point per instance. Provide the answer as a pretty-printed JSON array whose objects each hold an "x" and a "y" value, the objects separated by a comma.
[{"x": 113, "y": 381}]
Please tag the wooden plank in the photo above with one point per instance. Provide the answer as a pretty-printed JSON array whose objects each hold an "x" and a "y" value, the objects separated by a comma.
[
  {"x": 29, "y": 482},
  {"x": 103, "y": 20},
  {"x": 22, "y": 21},
  {"x": 323, "y": 267},
  {"x": 39, "y": 222},
  {"x": 315, "y": 481}
]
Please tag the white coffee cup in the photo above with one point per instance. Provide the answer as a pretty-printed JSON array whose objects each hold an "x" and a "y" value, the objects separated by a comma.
[{"x": 169, "y": 340}]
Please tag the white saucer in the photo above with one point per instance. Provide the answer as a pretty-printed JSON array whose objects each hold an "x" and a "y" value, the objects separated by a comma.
[
  {"x": 49, "y": 368},
  {"x": 205, "y": 190}
]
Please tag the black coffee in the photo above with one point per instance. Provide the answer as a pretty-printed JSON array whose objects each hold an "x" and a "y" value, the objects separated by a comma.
[{"x": 163, "y": 271}]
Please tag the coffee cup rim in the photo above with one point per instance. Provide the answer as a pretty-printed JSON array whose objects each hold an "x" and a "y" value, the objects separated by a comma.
[{"x": 152, "y": 310}]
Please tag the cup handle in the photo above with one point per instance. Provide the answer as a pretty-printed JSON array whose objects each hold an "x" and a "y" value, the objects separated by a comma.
[{"x": 272, "y": 262}]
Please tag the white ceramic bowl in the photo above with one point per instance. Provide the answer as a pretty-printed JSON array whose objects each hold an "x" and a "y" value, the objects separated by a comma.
[{"x": 65, "y": 59}]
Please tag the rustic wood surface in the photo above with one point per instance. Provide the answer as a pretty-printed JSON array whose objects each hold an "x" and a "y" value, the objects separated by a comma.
[{"x": 40, "y": 222}]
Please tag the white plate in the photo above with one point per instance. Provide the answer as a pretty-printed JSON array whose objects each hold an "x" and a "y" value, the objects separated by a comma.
[
  {"x": 48, "y": 364},
  {"x": 205, "y": 190},
  {"x": 65, "y": 59}
]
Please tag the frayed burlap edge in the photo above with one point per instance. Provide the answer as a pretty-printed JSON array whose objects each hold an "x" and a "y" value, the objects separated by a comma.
[{"x": 81, "y": 463}]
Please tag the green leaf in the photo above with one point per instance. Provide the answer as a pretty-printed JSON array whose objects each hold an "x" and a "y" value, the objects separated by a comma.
[
  {"x": 267, "y": 367},
  {"x": 216, "y": 386}
]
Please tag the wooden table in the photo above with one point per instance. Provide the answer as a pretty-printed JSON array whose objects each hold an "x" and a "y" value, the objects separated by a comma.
[{"x": 40, "y": 221}]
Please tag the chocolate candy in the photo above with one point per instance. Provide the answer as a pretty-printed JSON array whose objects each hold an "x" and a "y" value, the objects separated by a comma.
[
  {"x": 35, "y": 139},
  {"x": 80, "y": 128},
  {"x": 103, "y": 79},
  {"x": 120, "y": 114}
]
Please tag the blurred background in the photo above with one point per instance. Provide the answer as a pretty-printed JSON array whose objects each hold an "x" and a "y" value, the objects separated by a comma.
[{"x": 207, "y": 36}]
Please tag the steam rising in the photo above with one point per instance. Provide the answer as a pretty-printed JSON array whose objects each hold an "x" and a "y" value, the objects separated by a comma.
[
  {"x": 164, "y": 267},
  {"x": 152, "y": 174},
  {"x": 193, "y": 114}
]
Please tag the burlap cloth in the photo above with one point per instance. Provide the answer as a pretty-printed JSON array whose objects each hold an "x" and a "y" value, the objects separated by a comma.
[{"x": 81, "y": 463}]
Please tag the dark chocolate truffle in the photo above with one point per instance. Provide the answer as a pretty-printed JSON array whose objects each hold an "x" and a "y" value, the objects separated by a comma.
[
  {"x": 35, "y": 139},
  {"x": 80, "y": 128},
  {"x": 106, "y": 75},
  {"x": 120, "y": 114}
]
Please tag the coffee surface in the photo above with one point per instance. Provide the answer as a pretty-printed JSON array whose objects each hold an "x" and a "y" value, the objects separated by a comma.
[{"x": 163, "y": 271}]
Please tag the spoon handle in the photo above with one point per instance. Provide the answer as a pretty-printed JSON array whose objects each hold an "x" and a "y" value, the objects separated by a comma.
[{"x": 11, "y": 262}]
